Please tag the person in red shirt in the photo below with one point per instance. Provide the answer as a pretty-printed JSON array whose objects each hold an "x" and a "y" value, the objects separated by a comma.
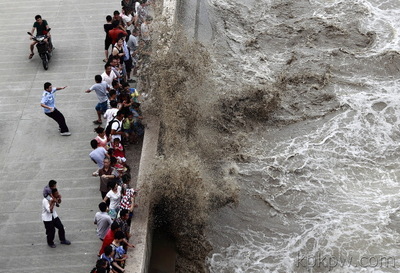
[
  {"x": 107, "y": 240},
  {"x": 115, "y": 32},
  {"x": 119, "y": 151}
]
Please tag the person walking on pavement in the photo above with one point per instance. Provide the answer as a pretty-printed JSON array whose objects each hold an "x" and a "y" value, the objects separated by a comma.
[
  {"x": 51, "y": 220},
  {"x": 49, "y": 104}
]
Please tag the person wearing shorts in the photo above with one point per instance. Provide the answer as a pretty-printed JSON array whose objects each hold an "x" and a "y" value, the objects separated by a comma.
[{"x": 101, "y": 88}]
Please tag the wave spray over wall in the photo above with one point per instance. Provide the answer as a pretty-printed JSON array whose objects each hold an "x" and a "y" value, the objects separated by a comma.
[
  {"x": 279, "y": 142},
  {"x": 194, "y": 174}
]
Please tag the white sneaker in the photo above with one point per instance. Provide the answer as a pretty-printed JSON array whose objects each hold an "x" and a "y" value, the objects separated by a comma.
[{"x": 65, "y": 134}]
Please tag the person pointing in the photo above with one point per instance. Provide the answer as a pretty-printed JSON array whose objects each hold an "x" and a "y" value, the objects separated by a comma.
[{"x": 49, "y": 105}]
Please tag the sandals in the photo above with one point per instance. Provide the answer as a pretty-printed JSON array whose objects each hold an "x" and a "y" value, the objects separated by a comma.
[{"x": 31, "y": 55}]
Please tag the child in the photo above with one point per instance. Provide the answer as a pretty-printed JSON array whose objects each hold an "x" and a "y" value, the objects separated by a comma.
[
  {"x": 47, "y": 192},
  {"x": 125, "y": 103},
  {"x": 131, "y": 91},
  {"x": 108, "y": 256},
  {"x": 127, "y": 127},
  {"x": 101, "y": 267},
  {"x": 137, "y": 115},
  {"x": 119, "y": 252},
  {"x": 119, "y": 152},
  {"x": 135, "y": 95},
  {"x": 128, "y": 201}
]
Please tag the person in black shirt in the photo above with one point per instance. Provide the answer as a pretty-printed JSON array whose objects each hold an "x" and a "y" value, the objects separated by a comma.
[
  {"x": 107, "y": 42},
  {"x": 42, "y": 28}
]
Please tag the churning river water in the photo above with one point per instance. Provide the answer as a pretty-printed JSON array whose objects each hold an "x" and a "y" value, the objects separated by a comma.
[{"x": 320, "y": 189}]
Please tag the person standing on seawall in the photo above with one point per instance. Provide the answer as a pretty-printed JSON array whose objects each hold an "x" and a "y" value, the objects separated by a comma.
[
  {"x": 48, "y": 102},
  {"x": 51, "y": 220}
]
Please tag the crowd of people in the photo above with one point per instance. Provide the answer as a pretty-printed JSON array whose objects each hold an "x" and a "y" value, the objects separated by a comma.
[
  {"x": 127, "y": 40},
  {"x": 127, "y": 36}
]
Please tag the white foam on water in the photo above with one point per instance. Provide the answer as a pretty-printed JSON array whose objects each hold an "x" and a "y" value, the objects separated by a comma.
[
  {"x": 381, "y": 18},
  {"x": 329, "y": 194},
  {"x": 344, "y": 195},
  {"x": 384, "y": 21}
]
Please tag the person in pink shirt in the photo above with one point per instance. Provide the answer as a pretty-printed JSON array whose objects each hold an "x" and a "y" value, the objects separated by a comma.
[{"x": 101, "y": 137}]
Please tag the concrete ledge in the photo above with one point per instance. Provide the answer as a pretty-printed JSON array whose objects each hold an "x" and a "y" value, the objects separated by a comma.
[{"x": 139, "y": 257}]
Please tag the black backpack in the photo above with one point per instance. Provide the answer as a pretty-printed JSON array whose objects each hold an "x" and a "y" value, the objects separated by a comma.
[{"x": 108, "y": 128}]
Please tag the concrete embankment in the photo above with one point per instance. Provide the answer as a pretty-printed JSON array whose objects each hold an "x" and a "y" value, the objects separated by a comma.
[{"x": 139, "y": 257}]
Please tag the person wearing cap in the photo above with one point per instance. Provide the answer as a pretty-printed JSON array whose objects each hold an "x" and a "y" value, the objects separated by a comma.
[{"x": 48, "y": 103}]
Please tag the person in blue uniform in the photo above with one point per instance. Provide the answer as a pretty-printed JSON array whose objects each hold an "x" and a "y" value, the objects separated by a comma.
[{"x": 49, "y": 106}]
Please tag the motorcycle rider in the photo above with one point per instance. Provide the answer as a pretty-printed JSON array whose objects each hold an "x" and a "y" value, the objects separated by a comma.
[{"x": 42, "y": 28}]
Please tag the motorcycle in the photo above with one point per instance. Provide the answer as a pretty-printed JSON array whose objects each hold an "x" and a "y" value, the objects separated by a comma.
[{"x": 44, "y": 48}]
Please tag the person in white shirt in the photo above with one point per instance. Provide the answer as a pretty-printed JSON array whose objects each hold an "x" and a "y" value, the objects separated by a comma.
[
  {"x": 112, "y": 112},
  {"x": 115, "y": 198},
  {"x": 116, "y": 126},
  {"x": 108, "y": 75},
  {"x": 51, "y": 220},
  {"x": 128, "y": 18}
]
